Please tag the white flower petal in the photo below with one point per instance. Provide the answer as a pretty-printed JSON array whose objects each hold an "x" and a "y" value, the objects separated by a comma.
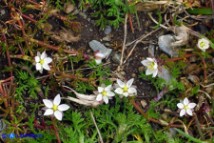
[
  {"x": 145, "y": 62},
  {"x": 132, "y": 90},
  {"x": 99, "y": 55},
  {"x": 155, "y": 73},
  {"x": 37, "y": 59},
  {"x": 57, "y": 100},
  {"x": 48, "y": 103},
  {"x": 48, "y": 112},
  {"x": 38, "y": 66},
  {"x": 155, "y": 65},
  {"x": 38, "y": 54},
  {"x": 105, "y": 99},
  {"x": 110, "y": 94},
  {"x": 44, "y": 55},
  {"x": 99, "y": 97},
  {"x": 41, "y": 71},
  {"x": 151, "y": 59},
  {"x": 189, "y": 112},
  {"x": 182, "y": 112},
  {"x": 100, "y": 89},
  {"x": 149, "y": 71},
  {"x": 98, "y": 61},
  {"x": 46, "y": 66},
  {"x": 63, "y": 107},
  {"x": 108, "y": 88},
  {"x": 126, "y": 94},
  {"x": 119, "y": 91},
  {"x": 180, "y": 105},
  {"x": 120, "y": 83},
  {"x": 129, "y": 83},
  {"x": 191, "y": 105},
  {"x": 186, "y": 101},
  {"x": 48, "y": 60},
  {"x": 58, "y": 115}
]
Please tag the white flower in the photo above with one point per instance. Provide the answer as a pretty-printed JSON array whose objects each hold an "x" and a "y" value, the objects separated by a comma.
[
  {"x": 152, "y": 66},
  {"x": 98, "y": 57},
  {"x": 53, "y": 107},
  {"x": 42, "y": 61},
  {"x": 186, "y": 107},
  {"x": 105, "y": 93},
  {"x": 125, "y": 89},
  {"x": 203, "y": 44}
]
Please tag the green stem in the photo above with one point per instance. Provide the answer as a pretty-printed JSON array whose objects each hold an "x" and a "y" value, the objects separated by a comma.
[{"x": 189, "y": 137}]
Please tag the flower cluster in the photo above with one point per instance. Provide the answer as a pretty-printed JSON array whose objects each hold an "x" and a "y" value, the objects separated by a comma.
[{"x": 121, "y": 88}]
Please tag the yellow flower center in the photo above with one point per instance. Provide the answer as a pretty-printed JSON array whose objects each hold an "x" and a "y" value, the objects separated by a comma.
[
  {"x": 55, "y": 107},
  {"x": 202, "y": 44},
  {"x": 125, "y": 88},
  {"x": 104, "y": 93},
  {"x": 42, "y": 61},
  {"x": 186, "y": 107},
  {"x": 151, "y": 65}
]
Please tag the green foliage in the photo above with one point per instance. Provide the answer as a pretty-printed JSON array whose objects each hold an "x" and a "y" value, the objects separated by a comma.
[
  {"x": 110, "y": 12},
  {"x": 26, "y": 85},
  {"x": 99, "y": 72}
]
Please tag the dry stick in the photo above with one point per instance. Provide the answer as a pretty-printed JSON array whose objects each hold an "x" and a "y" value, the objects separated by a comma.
[
  {"x": 41, "y": 43},
  {"x": 205, "y": 69},
  {"x": 139, "y": 109},
  {"x": 55, "y": 130},
  {"x": 138, "y": 41},
  {"x": 124, "y": 42},
  {"x": 198, "y": 127},
  {"x": 130, "y": 23},
  {"x": 98, "y": 131},
  {"x": 8, "y": 54}
]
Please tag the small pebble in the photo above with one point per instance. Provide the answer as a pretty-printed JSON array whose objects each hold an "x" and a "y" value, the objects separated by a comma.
[
  {"x": 116, "y": 58},
  {"x": 133, "y": 75},
  {"x": 143, "y": 103},
  {"x": 107, "y": 38},
  {"x": 107, "y": 30},
  {"x": 68, "y": 7},
  {"x": 122, "y": 73},
  {"x": 39, "y": 113},
  {"x": 141, "y": 69},
  {"x": 2, "y": 12}
]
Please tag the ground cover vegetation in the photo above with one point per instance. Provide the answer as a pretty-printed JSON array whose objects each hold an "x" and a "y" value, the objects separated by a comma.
[{"x": 106, "y": 71}]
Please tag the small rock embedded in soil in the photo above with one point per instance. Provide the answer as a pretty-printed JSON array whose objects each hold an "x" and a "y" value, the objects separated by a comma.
[
  {"x": 97, "y": 46},
  {"x": 141, "y": 69},
  {"x": 107, "y": 30},
  {"x": 68, "y": 7},
  {"x": 116, "y": 57},
  {"x": 165, "y": 44}
]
